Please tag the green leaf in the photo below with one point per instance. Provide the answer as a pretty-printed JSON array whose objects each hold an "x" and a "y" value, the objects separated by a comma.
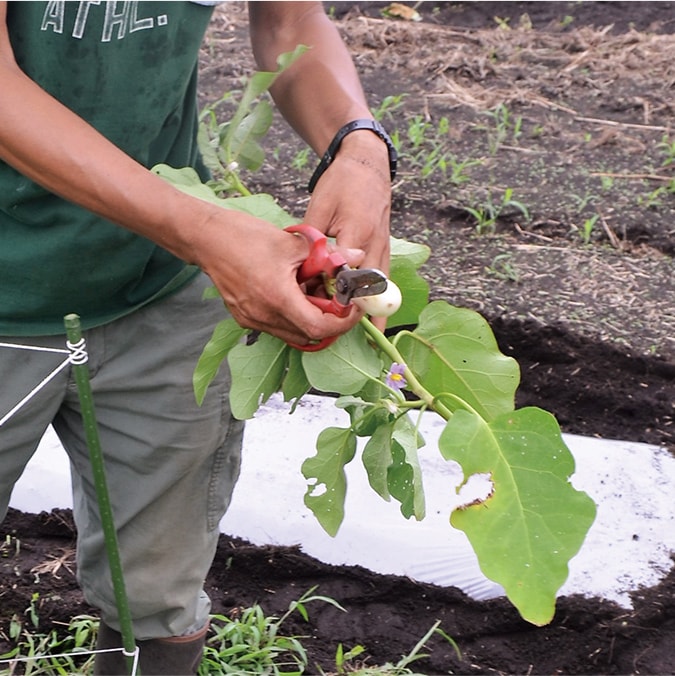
[
  {"x": 392, "y": 464},
  {"x": 345, "y": 366},
  {"x": 365, "y": 415},
  {"x": 245, "y": 148},
  {"x": 405, "y": 474},
  {"x": 185, "y": 179},
  {"x": 525, "y": 533},
  {"x": 261, "y": 206},
  {"x": 211, "y": 292},
  {"x": 295, "y": 383},
  {"x": 258, "y": 84},
  {"x": 453, "y": 351},
  {"x": 208, "y": 149},
  {"x": 376, "y": 458},
  {"x": 414, "y": 292},
  {"x": 225, "y": 336},
  {"x": 326, "y": 493},
  {"x": 257, "y": 372},
  {"x": 402, "y": 249},
  {"x": 405, "y": 258}
]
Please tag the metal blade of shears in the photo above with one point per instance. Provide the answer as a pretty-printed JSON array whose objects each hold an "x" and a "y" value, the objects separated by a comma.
[{"x": 356, "y": 283}]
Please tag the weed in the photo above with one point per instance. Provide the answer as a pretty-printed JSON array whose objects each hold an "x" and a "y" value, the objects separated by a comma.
[
  {"x": 655, "y": 197},
  {"x": 503, "y": 126},
  {"x": 400, "y": 668},
  {"x": 503, "y": 268},
  {"x": 583, "y": 202},
  {"x": 301, "y": 159},
  {"x": 40, "y": 653},
  {"x": 667, "y": 146},
  {"x": 389, "y": 105},
  {"x": 486, "y": 214},
  {"x": 587, "y": 229},
  {"x": 427, "y": 150},
  {"x": 7, "y": 546},
  {"x": 252, "y": 644}
]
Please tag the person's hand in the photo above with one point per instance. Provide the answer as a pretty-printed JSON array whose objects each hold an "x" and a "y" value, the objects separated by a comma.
[
  {"x": 255, "y": 270},
  {"x": 352, "y": 200}
]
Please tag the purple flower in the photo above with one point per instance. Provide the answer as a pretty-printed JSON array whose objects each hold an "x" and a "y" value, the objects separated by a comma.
[{"x": 395, "y": 378}]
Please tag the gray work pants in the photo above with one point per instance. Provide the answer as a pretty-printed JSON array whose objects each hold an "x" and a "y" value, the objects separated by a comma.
[{"x": 171, "y": 465}]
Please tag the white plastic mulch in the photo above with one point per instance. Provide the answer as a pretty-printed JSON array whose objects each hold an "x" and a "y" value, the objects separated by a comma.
[{"x": 629, "y": 545}]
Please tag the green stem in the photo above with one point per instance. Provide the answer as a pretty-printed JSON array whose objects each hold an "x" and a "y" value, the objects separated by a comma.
[
  {"x": 239, "y": 186},
  {"x": 413, "y": 383},
  {"x": 81, "y": 373}
]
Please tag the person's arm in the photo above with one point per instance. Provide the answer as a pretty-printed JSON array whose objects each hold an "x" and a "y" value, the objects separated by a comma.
[
  {"x": 319, "y": 94},
  {"x": 252, "y": 263}
]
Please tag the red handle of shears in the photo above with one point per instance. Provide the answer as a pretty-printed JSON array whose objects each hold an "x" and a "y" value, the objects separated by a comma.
[{"x": 319, "y": 261}]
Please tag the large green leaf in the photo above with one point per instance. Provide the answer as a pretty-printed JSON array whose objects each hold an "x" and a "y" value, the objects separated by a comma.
[
  {"x": 534, "y": 522},
  {"x": 226, "y": 334},
  {"x": 414, "y": 293},
  {"x": 405, "y": 258},
  {"x": 402, "y": 249},
  {"x": 453, "y": 351},
  {"x": 325, "y": 473},
  {"x": 257, "y": 372},
  {"x": 345, "y": 366},
  {"x": 261, "y": 206}
]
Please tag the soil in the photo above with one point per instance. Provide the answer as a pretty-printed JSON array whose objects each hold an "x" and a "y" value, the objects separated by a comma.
[{"x": 565, "y": 109}]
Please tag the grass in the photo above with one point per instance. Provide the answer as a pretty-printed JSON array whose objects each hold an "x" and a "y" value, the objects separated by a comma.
[{"x": 249, "y": 642}]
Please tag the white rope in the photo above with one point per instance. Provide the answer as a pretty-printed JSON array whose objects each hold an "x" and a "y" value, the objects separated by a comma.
[
  {"x": 134, "y": 654},
  {"x": 77, "y": 354},
  {"x": 35, "y": 348}
]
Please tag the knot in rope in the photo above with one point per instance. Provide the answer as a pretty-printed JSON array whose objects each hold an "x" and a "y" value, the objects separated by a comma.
[{"x": 78, "y": 352}]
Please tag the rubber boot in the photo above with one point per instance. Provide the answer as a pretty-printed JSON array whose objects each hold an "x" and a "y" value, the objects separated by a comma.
[{"x": 174, "y": 656}]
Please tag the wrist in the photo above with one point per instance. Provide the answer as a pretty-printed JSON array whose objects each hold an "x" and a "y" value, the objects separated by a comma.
[{"x": 356, "y": 126}]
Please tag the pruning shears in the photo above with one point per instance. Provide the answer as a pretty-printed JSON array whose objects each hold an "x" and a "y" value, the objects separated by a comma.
[{"x": 331, "y": 266}]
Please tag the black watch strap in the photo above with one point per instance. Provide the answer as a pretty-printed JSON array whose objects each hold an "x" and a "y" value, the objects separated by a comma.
[{"x": 329, "y": 155}]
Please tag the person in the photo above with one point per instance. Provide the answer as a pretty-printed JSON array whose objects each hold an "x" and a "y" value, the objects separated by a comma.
[{"x": 93, "y": 95}]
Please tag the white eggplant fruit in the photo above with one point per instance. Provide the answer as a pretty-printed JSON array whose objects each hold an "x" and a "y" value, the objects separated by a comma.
[{"x": 381, "y": 304}]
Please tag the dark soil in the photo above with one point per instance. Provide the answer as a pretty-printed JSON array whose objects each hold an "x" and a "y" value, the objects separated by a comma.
[{"x": 592, "y": 323}]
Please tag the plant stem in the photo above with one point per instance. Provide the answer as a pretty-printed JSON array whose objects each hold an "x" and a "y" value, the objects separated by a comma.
[{"x": 413, "y": 383}]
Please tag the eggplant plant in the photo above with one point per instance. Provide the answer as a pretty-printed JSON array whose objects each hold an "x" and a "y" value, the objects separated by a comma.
[{"x": 435, "y": 359}]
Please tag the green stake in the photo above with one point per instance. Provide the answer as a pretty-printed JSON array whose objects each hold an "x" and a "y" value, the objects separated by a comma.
[{"x": 79, "y": 358}]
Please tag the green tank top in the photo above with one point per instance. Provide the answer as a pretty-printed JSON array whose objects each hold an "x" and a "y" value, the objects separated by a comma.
[{"x": 130, "y": 70}]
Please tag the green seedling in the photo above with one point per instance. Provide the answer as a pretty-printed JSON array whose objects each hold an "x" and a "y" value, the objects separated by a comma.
[
  {"x": 502, "y": 267},
  {"x": 503, "y": 126},
  {"x": 487, "y": 214},
  {"x": 587, "y": 229},
  {"x": 301, "y": 159},
  {"x": 582, "y": 202},
  {"x": 390, "y": 104},
  {"x": 655, "y": 197},
  {"x": 6, "y": 547},
  {"x": 667, "y": 147}
]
